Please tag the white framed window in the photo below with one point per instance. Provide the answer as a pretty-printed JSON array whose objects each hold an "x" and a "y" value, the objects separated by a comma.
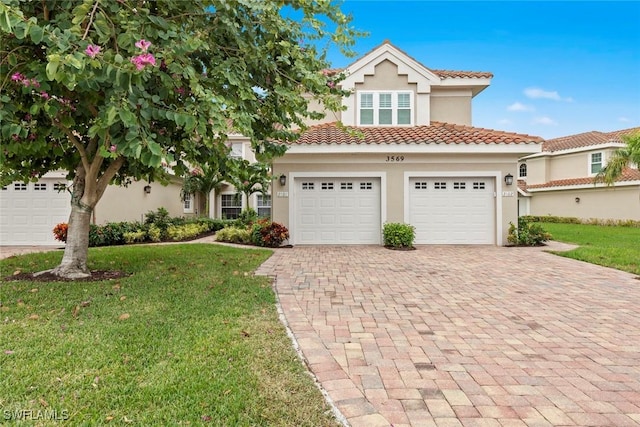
[
  {"x": 237, "y": 150},
  {"x": 40, "y": 186},
  {"x": 263, "y": 205},
  {"x": 58, "y": 186},
  {"x": 230, "y": 205},
  {"x": 187, "y": 203},
  {"x": 421, "y": 185},
  {"x": 389, "y": 108},
  {"x": 522, "y": 170},
  {"x": 596, "y": 162},
  {"x": 307, "y": 186},
  {"x": 19, "y": 186}
]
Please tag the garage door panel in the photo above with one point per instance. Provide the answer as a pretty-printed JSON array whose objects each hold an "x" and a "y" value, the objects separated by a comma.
[
  {"x": 30, "y": 211},
  {"x": 343, "y": 211},
  {"x": 452, "y": 210}
]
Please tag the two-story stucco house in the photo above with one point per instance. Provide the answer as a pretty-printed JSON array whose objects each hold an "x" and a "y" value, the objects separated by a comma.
[
  {"x": 560, "y": 180},
  {"x": 417, "y": 159},
  {"x": 412, "y": 156}
]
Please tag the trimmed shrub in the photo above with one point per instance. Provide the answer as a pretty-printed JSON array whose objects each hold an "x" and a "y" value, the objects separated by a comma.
[
  {"x": 527, "y": 233},
  {"x": 186, "y": 231},
  {"x": 590, "y": 221},
  {"x": 135, "y": 236},
  {"x": 269, "y": 234},
  {"x": 398, "y": 235},
  {"x": 234, "y": 235}
]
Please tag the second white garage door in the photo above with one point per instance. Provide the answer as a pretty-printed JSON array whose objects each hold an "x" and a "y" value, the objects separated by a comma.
[
  {"x": 452, "y": 210},
  {"x": 337, "y": 211}
]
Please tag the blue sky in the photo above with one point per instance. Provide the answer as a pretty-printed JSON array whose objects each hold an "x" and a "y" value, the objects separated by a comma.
[{"x": 560, "y": 68}]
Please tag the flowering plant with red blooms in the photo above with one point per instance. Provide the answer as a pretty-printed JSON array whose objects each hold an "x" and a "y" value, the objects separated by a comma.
[
  {"x": 269, "y": 234},
  {"x": 60, "y": 231}
]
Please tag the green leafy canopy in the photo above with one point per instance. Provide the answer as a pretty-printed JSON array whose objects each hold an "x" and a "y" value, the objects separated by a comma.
[{"x": 81, "y": 92}]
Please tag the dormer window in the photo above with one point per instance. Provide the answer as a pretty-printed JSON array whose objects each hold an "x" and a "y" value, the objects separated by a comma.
[{"x": 392, "y": 108}]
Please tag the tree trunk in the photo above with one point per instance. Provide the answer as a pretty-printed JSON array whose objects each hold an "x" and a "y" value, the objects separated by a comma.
[{"x": 74, "y": 260}]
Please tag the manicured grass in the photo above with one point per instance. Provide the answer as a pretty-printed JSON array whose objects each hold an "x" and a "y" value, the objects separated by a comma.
[
  {"x": 190, "y": 338},
  {"x": 611, "y": 246}
]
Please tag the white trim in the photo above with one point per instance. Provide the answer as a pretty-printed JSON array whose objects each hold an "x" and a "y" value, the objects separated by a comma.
[
  {"x": 595, "y": 147},
  {"x": 292, "y": 176},
  {"x": 585, "y": 186},
  {"x": 414, "y": 148},
  {"x": 223, "y": 193},
  {"x": 497, "y": 175}
]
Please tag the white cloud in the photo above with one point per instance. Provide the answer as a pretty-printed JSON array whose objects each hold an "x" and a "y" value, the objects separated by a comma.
[
  {"x": 518, "y": 106},
  {"x": 544, "y": 120},
  {"x": 537, "y": 93},
  {"x": 624, "y": 119}
]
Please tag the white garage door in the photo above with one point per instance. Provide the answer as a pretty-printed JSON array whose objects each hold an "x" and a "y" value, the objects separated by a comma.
[
  {"x": 337, "y": 211},
  {"x": 452, "y": 210},
  {"x": 28, "y": 212}
]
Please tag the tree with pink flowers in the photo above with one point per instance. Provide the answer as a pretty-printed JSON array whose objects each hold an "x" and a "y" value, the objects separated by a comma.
[{"x": 112, "y": 90}]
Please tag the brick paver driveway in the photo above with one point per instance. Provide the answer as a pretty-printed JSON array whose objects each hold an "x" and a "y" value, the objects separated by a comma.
[{"x": 464, "y": 336}]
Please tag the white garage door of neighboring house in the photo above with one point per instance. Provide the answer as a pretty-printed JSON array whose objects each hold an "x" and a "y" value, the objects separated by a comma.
[
  {"x": 337, "y": 211},
  {"x": 28, "y": 212},
  {"x": 452, "y": 210}
]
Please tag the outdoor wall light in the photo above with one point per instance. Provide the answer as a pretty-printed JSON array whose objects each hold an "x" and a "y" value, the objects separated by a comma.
[
  {"x": 508, "y": 179},
  {"x": 147, "y": 189},
  {"x": 283, "y": 180},
  {"x": 577, "y": 199}
]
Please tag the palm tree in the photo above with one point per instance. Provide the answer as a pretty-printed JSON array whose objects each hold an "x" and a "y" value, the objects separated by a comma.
[
  {"x": 621, "y": 159},
  {"x": 204, "y": 179},
  {"x": 249, "y": 178}
]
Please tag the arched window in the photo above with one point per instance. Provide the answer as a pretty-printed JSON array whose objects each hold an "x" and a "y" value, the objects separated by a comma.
[{"x": 523, "y": 170}]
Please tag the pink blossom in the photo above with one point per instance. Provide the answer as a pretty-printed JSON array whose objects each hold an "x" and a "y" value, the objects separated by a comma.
[
  {"x": 113, "y": 148},
  {"x": 92, "y": 50},
  {"x": 35, "y": 83},
  {"x": 140, "y": 61},
  {"x": 27, "y": 117},
  {"x": 15, "y": 137},
  {"x": 245, "y": 183},
  {"x": 331, "y": 84},
  {"x": 143, "y": 44},
  {"x": 44, "y": 95},
  {"x": 17, "y": 77}
]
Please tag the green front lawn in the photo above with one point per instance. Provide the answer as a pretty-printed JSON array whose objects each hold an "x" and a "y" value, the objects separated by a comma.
[
  {"x": 190, "y": 338},
  {"x": 611, "y": 246}
]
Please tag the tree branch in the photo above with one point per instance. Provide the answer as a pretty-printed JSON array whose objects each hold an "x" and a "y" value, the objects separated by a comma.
[
  {"x": 108, "y": 175},
  {"x": 77, "y": 144},
  {"x": 93, "y": 12}
]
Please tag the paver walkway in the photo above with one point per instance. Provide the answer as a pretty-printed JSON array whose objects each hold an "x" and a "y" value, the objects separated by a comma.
[{"x": 464, "y": 336}]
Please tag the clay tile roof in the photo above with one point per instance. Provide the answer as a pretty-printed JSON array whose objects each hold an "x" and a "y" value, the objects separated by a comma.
[
  {"x": 629, "y": 174},
  {"x": 436, "y": 133},
  {"x": 446, "y": 74},
  {"x": 522, "y": 185},
  {"x": 585, "y": 139}
]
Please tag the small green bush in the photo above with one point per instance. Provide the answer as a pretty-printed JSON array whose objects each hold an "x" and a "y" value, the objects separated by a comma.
[
  {"x": 527, "y": 233},
  {"x": 154, "y": 234},
  {"x": 269, "y": 234},
  {"x": 398, "y": 235},
  {"x": 234, "y": 235}
]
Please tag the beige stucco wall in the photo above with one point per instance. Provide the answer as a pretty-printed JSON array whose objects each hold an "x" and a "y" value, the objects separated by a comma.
[
  {"x": 131, "y": 203},
  {"x": 451, "y": 106},
  {"x": 604, "y": 203},
  {"x": 395, "y": 177},
  {"x": 541, "y": 169}
]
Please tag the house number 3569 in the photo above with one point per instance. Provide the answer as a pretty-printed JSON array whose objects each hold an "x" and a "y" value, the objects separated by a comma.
[{"x": 395, "y": 158}]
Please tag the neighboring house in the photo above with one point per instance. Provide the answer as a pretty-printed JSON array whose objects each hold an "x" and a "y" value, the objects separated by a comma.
[
  {"x": 560, "y": 180},
  {"x": 412, "y": 156}
]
